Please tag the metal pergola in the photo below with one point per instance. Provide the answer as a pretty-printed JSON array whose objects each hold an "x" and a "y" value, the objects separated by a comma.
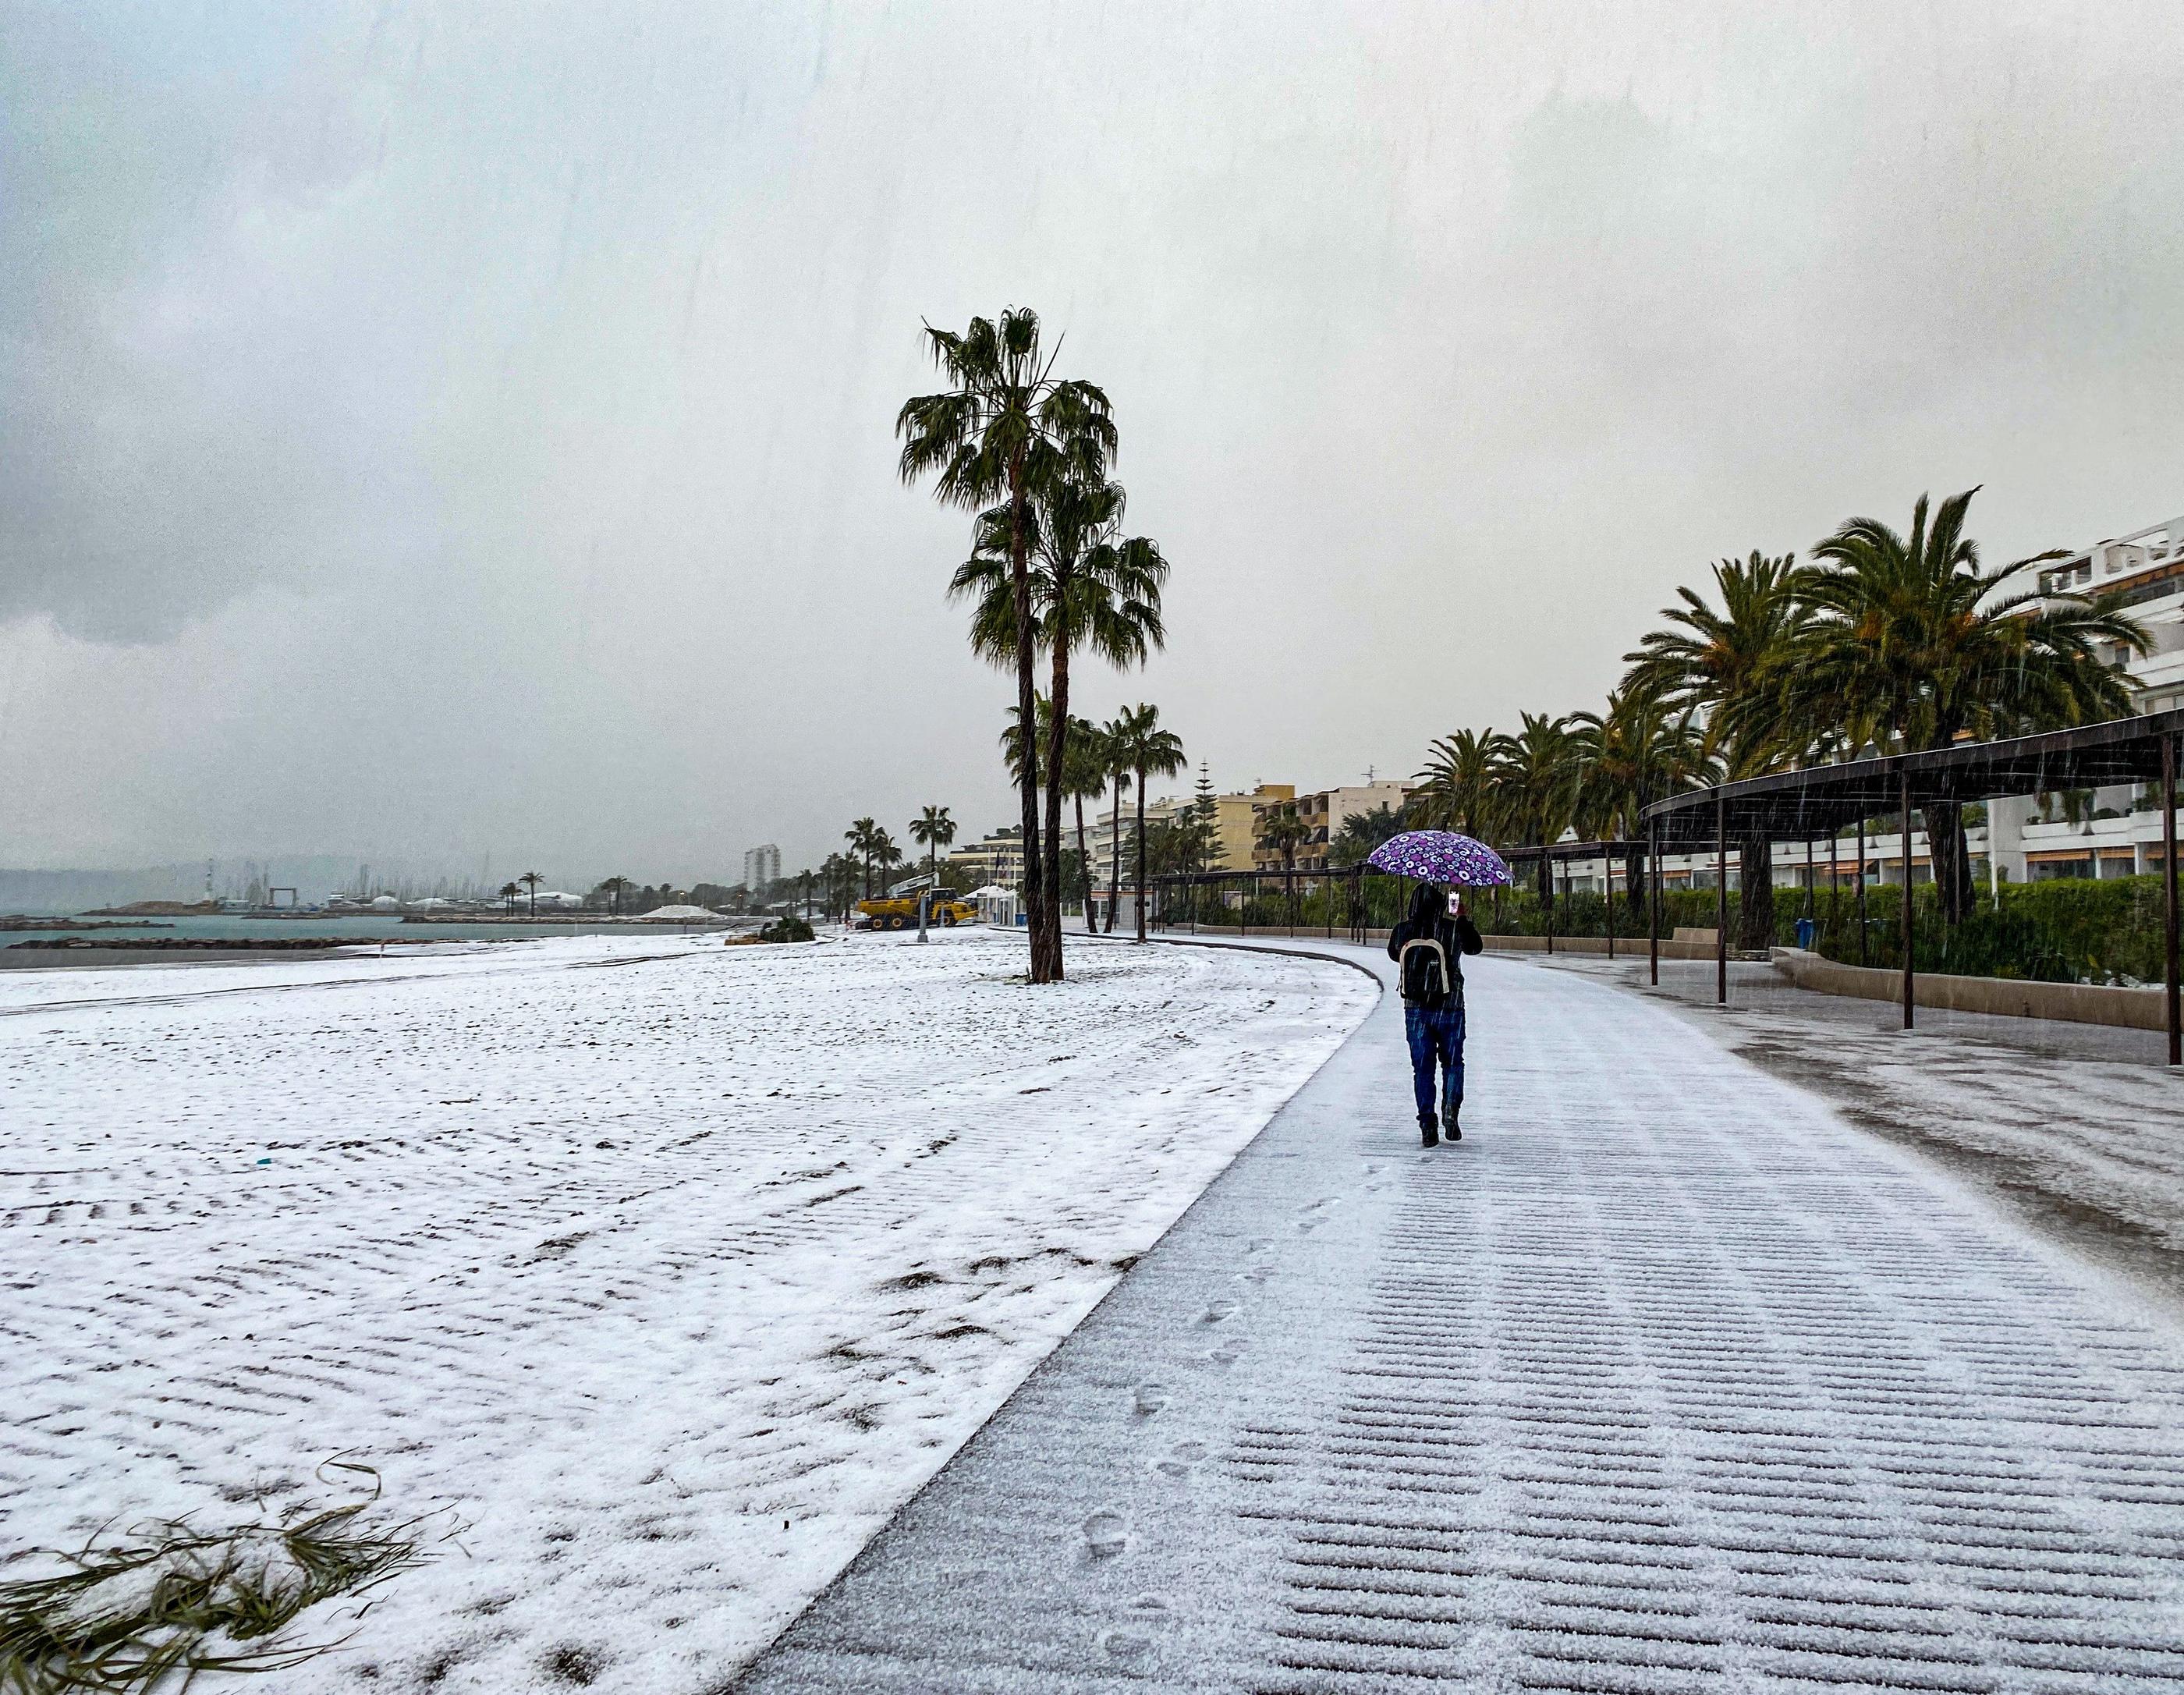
[
  {"x": 1249, "y": 884},
  {"x": 1563, "y": 853},
  {"x": 1820, "y": 799},
  {"x": 1252, "y": 883}
]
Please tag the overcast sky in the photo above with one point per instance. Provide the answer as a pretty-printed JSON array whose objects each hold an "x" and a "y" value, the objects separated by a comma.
[{"x": 436, "y": 430}]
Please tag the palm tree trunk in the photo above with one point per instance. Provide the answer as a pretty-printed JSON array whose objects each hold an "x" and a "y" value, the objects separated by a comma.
[
  {"x": 1755, "y": 876},
  {"x": 1084, "y": 864},
  {"x": 1948, "y": 851},
  {"x": 1057, "y": 737},
  {"x": 1045, "y": 965},
  {"x": 1141, "y": 853}
]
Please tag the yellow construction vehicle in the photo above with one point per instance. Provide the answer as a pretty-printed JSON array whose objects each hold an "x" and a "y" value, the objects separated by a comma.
[{"x": 898, "y": 909}]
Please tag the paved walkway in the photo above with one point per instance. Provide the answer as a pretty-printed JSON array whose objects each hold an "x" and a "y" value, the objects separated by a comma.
[{"x": 1665, "y": 1378}]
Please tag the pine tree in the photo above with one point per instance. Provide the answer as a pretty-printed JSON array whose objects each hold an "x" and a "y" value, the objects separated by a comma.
[{"x": 1206, "y": 819}]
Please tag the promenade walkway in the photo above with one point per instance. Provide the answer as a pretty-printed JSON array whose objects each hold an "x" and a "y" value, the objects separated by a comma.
[{"x": 1665, "y": 1378}]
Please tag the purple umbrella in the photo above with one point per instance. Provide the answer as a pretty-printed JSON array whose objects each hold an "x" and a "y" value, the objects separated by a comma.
[{"x": 1441, "y": 856}]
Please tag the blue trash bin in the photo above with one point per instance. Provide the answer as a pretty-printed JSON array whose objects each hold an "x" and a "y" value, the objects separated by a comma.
[{"x": 1807, "y": 933}]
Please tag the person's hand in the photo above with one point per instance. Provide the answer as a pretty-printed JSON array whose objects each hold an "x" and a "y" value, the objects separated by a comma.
[{"x": 1456, "y": 903}]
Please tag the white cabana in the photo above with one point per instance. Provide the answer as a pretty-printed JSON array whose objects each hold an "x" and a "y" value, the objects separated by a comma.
[{"x": 997, "y": 905}]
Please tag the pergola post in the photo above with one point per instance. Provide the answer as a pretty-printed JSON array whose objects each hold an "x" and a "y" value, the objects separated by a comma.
[
  {"x": 1720, "y": 899},
  {"x": 1903, "y": 793},
  {"x": 1547, "y": 867},
  {"x": 2168, "y": 896},
  {"x": 1653, "y": 903}
]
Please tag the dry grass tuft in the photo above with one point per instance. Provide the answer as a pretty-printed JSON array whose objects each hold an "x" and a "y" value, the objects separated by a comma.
[{"x": 149, "y": 1612}]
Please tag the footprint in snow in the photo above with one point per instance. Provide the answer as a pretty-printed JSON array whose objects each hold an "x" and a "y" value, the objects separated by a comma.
[
  {"x": 1218, "y": 1310},
  {"x": 1107, "y": 1534},
  {"x": 1149, "y": 1398},
  {"x": 1127, "y": 1646},
  {"x": 1181, "y": 1458}
]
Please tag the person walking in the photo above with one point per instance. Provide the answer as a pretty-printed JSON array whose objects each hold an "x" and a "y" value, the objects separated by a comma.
[{"x": 1427, "y": 947}]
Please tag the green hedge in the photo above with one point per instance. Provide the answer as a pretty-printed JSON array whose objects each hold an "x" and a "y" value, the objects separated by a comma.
[{"x": 2068, "y": 930}]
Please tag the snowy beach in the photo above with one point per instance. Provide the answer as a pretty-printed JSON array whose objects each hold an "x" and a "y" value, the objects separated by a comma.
[{"x": 668, "y": 1268}]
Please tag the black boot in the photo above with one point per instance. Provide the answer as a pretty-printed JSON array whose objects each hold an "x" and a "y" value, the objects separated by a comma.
[
  {"x": 1453, "y": 1129},
  {"x": 1428, "y": 1133}
]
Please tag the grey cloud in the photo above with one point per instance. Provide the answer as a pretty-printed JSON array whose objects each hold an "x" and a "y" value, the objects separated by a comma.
[{"x": 501, "y": 396}]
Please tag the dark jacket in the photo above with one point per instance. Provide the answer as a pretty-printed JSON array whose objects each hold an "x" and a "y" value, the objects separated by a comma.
[{"x": 1458, "y": 937}]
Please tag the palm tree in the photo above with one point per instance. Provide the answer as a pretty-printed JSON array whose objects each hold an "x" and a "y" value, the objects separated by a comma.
[
  {"x": 1907, "y": 645},
  {"x": 1282, "y": 831},
  {"x": 1636, "y": 752},
  {"x": 861, "y": 836},
  {"x": 1004, "y": 429},
  {"x": 530, "y": 880},
  {"x": 1534, "y": 777},
  {"x": 932, "y": 829},
  {"x": 1456, "y": 789},
  {"x": 615, "y": 886},
  {"x": 885, "y": 855},
  {"x": 1084, "y": 777},
  {"x": 1729, "y": 665},
  {"x": 1151, "y": 751},
  {"x": 509, "y": 895},
  {"x": 1113, "y": 739},
  {"x": 837, "y": 874},
  {"x": 1089, "y": 588}
]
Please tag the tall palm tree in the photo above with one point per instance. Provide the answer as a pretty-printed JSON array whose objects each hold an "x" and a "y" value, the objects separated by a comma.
[
  {"x": 509, "y": 895},
  {"x": 1151, "y": 751},
  {"x": 1456, "y": 789},
  {"x": 1090, "y": 588},
  {"x": 530, "y": 880},
  {"x": 1534, "y": 784},
  {"x": 1729, "y": 667},
  {"x": 1283, "y": 831},
  {"x": 862, "y": 836},
  {"x": 615, "y": 886},
  {"x": 1005, "y": 428},
  {"x": 1636, "y": 752},
  {"x": 1909, "y": 645},
  {"x": 932, "y": 829}
]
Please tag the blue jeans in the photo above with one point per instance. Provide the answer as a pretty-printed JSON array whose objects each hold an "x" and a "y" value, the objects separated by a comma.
[{"x": 1435, "y": 1033}]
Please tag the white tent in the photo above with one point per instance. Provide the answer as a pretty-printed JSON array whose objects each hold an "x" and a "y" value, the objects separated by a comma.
[{"x": 679, "y": 915}]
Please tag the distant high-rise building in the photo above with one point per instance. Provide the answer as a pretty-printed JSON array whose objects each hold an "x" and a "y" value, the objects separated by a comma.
[{"x": 761, "y": 868}]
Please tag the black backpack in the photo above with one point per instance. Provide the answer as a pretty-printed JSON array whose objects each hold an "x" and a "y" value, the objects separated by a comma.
[{"x": 1428, "y": 977}]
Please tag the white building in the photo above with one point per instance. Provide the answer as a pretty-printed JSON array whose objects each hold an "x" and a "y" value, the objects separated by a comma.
[
  {"x": 2114, "y": 831},
  {"x": 761, "y": 868}
]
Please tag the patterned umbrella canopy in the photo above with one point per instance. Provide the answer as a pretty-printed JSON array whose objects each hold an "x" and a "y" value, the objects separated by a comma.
[{"x": 1441, "y": 856}]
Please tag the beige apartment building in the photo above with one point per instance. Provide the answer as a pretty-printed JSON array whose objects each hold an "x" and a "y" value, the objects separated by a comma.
[{"x": 1322, "y": 813}]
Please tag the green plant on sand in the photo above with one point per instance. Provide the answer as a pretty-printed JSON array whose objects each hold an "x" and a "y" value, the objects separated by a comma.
[{"x": 148, "y": 1612}]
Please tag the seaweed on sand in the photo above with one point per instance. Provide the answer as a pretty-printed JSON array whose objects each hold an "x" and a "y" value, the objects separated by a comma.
[{"x": 149, "y": 1611}]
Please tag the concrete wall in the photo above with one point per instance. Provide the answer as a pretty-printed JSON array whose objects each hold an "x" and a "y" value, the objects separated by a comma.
[{"x": 2081, "y": 1003}]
